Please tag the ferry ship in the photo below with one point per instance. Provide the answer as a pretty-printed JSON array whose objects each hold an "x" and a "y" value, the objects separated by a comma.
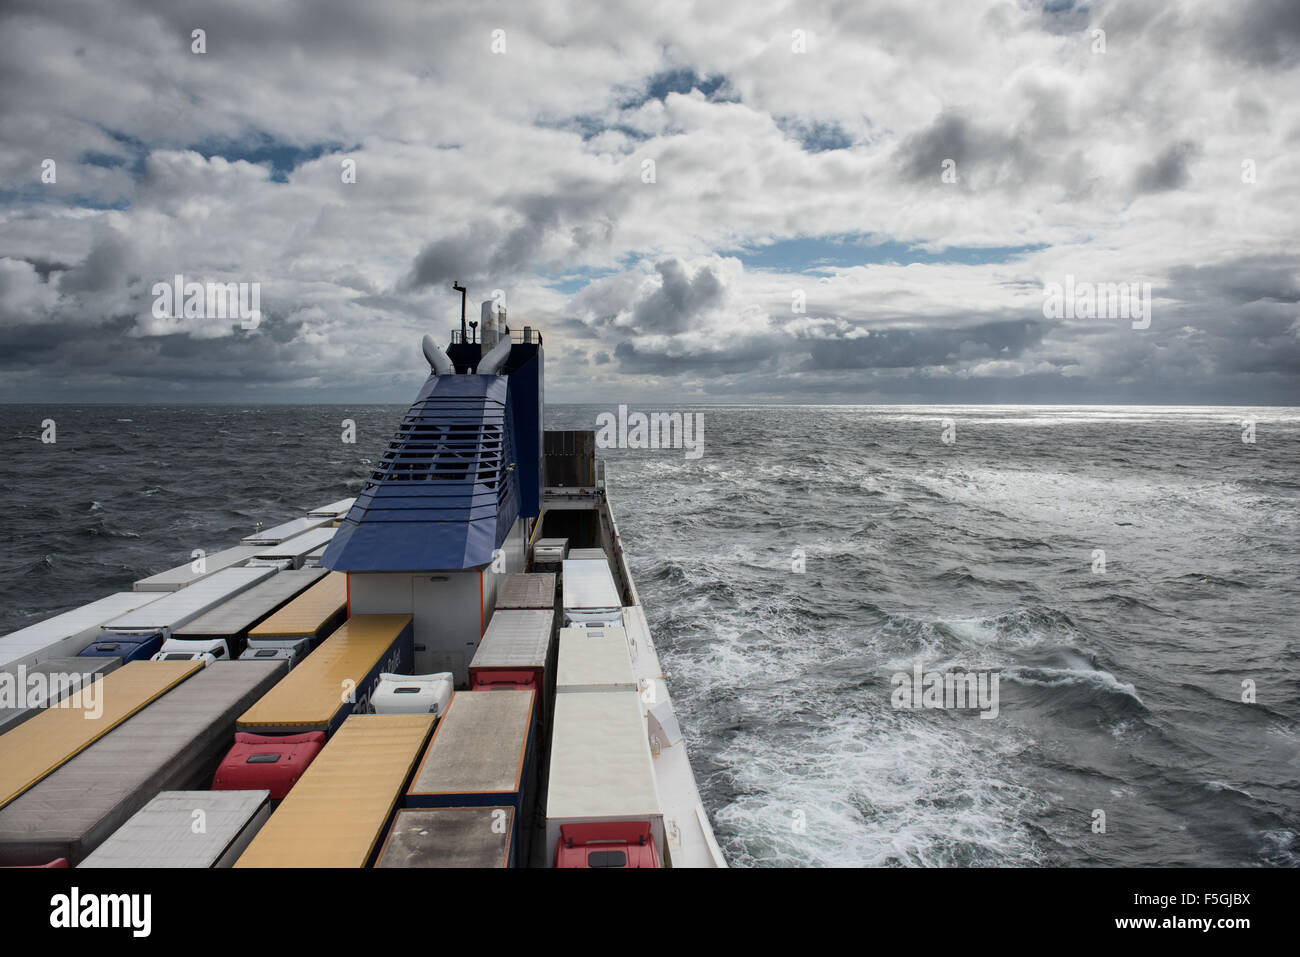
[{"x": 452, "y": 669}]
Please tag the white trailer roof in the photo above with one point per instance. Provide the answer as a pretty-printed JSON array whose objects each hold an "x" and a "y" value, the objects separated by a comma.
[
  {"x": 589, "y": 584},
  {"x": 66, "y": 634},
  {"x": 594, "y": 659},
  {"x": 600, "y": 760},
  {"x": 162, "y": 833},
  {"x": 515, "y": 639},
  {"x": 183, "y": 575},
  {"x": 335, "y": 509},
  {"x": 174, "y": 609},
  {"x": 298, "y": 547},
  {"x": 295, "y": 526},
  {"x": 588, "y": 554}
]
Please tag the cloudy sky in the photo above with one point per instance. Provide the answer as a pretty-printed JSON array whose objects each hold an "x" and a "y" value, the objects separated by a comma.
[{"x": 696, "y": 202}]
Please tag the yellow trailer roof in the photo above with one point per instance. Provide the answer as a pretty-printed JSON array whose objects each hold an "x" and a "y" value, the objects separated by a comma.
[
  {"x": 309, "y": 611},
  {"x": 335, "y": 814},
  {"x": 311, "y": 694},
  {"x": 35, "y": 748}
]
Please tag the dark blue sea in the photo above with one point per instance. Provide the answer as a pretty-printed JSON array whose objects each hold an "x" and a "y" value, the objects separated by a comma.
[{"x": 1121, "y": 686}]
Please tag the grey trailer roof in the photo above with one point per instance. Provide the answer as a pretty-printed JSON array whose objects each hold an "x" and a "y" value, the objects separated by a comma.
[
  {"x": 589, "y": 584},
  {"x": 527, "y": 590},
  {"x": 295, "y": 526},
  {"x": 600, "y": 760},
  {"x": 298, "y": 547},
  {"x": 183, "y": 575},
  {"x": 162, "y": 833},
  {"x": 334, "y": 509},
  {"x": 236, "y": 616},
  {"x": 68, "y": 633},
  {"x": 594, "y": 659},
  {"x": 478, "y": 747},
  {"x": 588, "y": 554},
  {"x": 515, "y": 638},
  {"x": 178, "y": 608},
  {"x": 449, "y": 837},
  {"x": 173, "y": 743},
  {"x": 60, "y": 676}
]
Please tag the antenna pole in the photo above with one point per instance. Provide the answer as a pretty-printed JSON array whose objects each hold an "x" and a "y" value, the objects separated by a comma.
[{"x": 461, "y": 289}]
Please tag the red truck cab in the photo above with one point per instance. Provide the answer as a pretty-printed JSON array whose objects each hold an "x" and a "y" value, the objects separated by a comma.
[
  {"x": 613, "y": 844},
  {"x": 273, "y": 762}
]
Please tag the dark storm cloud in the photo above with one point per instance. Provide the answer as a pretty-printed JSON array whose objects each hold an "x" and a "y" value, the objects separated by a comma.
[
  {"x": 571, "y": 221},
  {"x": 1168, "y": 170},
  {"x": 908, "y": 348},
  {"x": 981, "y": 154},
  {"x": 1265, "y": 32},
  {"x": 104, "y": 267},
  {"x": 679, "y": 300},
  {"x": 743, "y": 356},
  {"x": 1240, "y": 281}
]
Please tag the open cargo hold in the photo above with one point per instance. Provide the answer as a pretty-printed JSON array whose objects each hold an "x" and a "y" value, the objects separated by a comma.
[
  {"x": 294, "y": 550},
  {"x": 601, "y": 767},
  {"x": 69, "y": 633},
  {"x": 334, "y": 509},
  {"x": 38, "y": 746},
  {"x": 175, "y": 609},
  {"x": 313, "y": 615},
  {"x": 594, "y": 659},
  {"x": 450, "y": 837},
  {"x": 162, "y": 833},
  {"x": 482, "y": 755},
  {"x": 186, "y": 574},
  {"x": 287, "y": 530},
  {"x": 590, "y": 594},
  {"x": 232, "y": 620},
  {"x": 338, "y": 811},
  {"x": 526, "y": 590},
  {"x": 310, "y": 698},
  {"x": 26, "y": 691},
  {"x": 274, "y": 762},
  {"x": 172, "y": 744}
]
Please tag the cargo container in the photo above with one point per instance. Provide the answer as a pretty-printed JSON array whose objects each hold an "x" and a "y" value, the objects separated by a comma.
[
  {"x": 339, "y": 810},
  {"x": 590, "y": 595},
  {"x": 412, "y": 694},
  {"x": 173, "y": 744},
  {"x": 515, "y": 641},
  {"x": 336, "y": 679},
  {"x": 313, "y": 557},
  {"x": 313, "y": 615},
  {"x": 187, "y": 574},
  {"x": 450, "y": 837},
  {"x": 69, "y": 633},
  {"x": 26, "y": 691},
  {"x": 334, "y": 510},
  {"x": 175, "y": 609},
  {"x": 287, "y": 530},
  {"x": 47, "y": 740},
  {"x": 232, "y": 620},
  {"x": 206, "y": 651},
  {"x": 549, "y": 553},
  {"x": 601, "y": 770},
  {"x": 162, "y": 833},
  {"x": 482, "y": 755},
  {"x": 274, "y": 762},
  {"x": 294, "y": 550},
  {"x": 526, "y": 591},
  {"x": 594, "y": 659}
]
